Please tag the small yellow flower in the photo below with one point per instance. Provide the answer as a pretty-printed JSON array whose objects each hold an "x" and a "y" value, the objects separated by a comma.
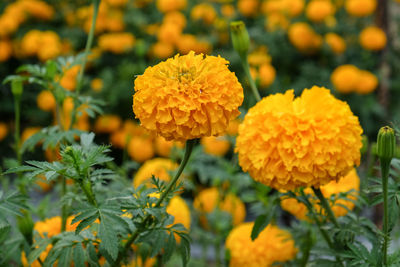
[
  {"x": 345, "y": 78},
  {"x": 96, "y": 84},
  {"x": 5, "y": 50},
  {"x": 3, "y": 130},
  {"x": 217, "y": 146},
  {"x": 272, "y": 245},
  {"x": 248, "y": 8},
  {"x": 286, "y": 142},
  {"x": 170, "y": 5},
  {"x": 140, "y": 148},
  {"x": 318, "y": 10},
  {"x": 368, "y": 82},
  {"x": 196, "y": 96},
  {"x": 117, "y": 43},
  {"x": 46, "y": 101},
  {"x": 107, "y": 124},
  {"x": 335, "y": 42},
  {"x": 373, "y": 38},
  {"x": 304, "y": 38},
  {"x": 360, "y": 8},
  {"x": 158, "y": 167},
  {"x": 178, "y": 208},
  {"x": 204, "y": 12},
  {"x": 267, "y": 75}
]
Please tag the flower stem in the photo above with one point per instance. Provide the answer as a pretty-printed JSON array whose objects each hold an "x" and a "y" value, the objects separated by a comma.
[
  {"x": 89, "y": 42},
  {"x": 385, "y": 166},
  {"x": 17, "y": 138},
  {"x": 326, "y": 206},
  {"x": 246, "y": 67},
  {"x": 64, "y": 211},
  {"x": 188, "y": 151},
  {"x": 320, "y": 226}
]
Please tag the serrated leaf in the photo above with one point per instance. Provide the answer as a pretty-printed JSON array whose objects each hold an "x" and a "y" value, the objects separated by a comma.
[
  {"x": 261, "y": 222},
  {"x": 40, "y": 247},
  {"x": 65, "y": 257},
  {"x": 109, "y": 239},
  {"x": 79, "y": 256}
]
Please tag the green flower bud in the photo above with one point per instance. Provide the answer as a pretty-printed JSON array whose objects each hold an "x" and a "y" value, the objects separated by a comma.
[
  {"x": 25, "y": 226},
  {"x": 240, "y": 38},
  {"x": 386, "y": 144},
  {"x": 16, "y": 87}
]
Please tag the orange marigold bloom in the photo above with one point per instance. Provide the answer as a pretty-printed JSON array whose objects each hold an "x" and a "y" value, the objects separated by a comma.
[
  {"x": 267, "y": 75},
  {"x": 204, "y": 12},
  {"x": 176, "y": 18},
  {"x": 116, "y": 43},
  {"x": 3, "y": 130},
  {"x": 373, "y": 38},
  {"x": 318, "y": 10},
  {"x": 345, "y": 78},
  {"x": 163, "y": 147},
  {"x": 162, "y": 50},
  {"x": 217, "y": 146},
  {"x": 348, "y": 184},
  {"x": 46, "y": 101},
  {"x": 140, "y": 148},
  {"x": 5, "y": 50},
  {"x": 52, "y": 226},
  {"x": 158, "y": 167},
  {"x": 107, "y": 124},
  {"x": 248, "y": 8},
  {"x": 96, "y": 84},
  {"x": 208, "y": 199},
  {"x": 169, "y": 33},
  {"x": 272, "y": 245},
  {"x": 360, "y": 8},
  {"x": 28, "y": 132},
  {"x": 178, "y": 208},
  {"x": 196, "y": 96},
  {"x": 286, "y": 142},
  {"x": 170, "y": 5},
  {"x": 368, "y": 82},
  {"x": 304, "y": 38},
  {"x": 335, "y": 42}
]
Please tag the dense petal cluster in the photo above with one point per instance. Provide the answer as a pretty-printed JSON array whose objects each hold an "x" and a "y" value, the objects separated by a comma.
[
  {"x": 208, "y": 199},
  {"x": 187, "y": 97},
  {"x": 158, "y": 167},
  {"x": 286, "y": 143},
  {"x": 349, "y": 185},
  {"x": 272, "y": 245}
]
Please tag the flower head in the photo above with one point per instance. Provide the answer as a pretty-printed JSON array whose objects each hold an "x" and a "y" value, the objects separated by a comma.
[
  {"x": 373, "y": 38},
  {"x": 272, "y": 245},
  {"x": 360, "y": 8},
  {"x": 187, "y": 97},
  {"x": 286, "y": 142},
  {"x": 158, "y": 167}
]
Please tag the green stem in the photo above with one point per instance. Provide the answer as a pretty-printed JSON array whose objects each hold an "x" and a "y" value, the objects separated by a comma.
[
  {"x": 159, "y": 261},
  {"x": 326, "y": 206},
  {"x": 188, "y": 151},
  {"x": 17, "y": 138},
  {"x": 64, "y": 211},
  {"x": 320, "y": 226},
  {"x": 253, "y": 86},
  {"x": 87, "y": 189},
  {"x": 306, "y": 250},
  {"x": 89, "y": 42},
  {"x": 385, "y": 167}
]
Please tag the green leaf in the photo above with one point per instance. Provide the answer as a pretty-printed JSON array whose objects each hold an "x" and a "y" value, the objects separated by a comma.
[
  {"x": 65, "y": 257},
  {"x": 92, "y": 255},
  {"x": 109, "y": 239},
  {"x": 79, "y": 256},
  {"x": 261, "y": 222},
  {"x": 40, "y": 247}
]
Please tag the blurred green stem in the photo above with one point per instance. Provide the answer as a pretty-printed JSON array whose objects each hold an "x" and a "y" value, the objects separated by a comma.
[
  {"x": 385, "y": 166},
  {"x": 64, "y": 211},
  {"x": 326, "y": 206},
  {"x": 188, "y": 151},
  {"x": 17, "y": 138},
  {"x": 246, "y": 67},
  {"x": 89, "y": 41}
]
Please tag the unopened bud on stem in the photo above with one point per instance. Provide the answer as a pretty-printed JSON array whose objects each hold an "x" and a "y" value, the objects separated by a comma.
[{"x": 240, "y": 38}]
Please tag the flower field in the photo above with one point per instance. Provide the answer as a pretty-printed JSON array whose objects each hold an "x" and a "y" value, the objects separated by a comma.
[{"x": 199, "y": 133}]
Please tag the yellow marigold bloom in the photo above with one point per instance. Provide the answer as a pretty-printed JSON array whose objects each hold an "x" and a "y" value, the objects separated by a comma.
[
  {"x": 28, "y": 132},
  {"x": 170, "y": 5},
  {"x": 178, "y": 208},
  {"x": 360, "y": 8},
  {"x": 228, "y": 10},
  {"x": 52, "y": 226},
  {"x": 42, "y": 183},
  {"x": 116, "y": 43},
  {"x": 46, "y": 101},
  {"x": 117, "y": 3},
  {"x": 267, "y": 75},
  {"x": 107, "y": 124},
  {"x": 37, "y": 9},
  {"x": 272, "y": 245},
  {"x": 304, "y": 38},
  {"x": 348, "y": 184},
  {"x": 163, "y": 147},
  {"x": 3, "y": 130},
  {"x": 286, "y": 142},
  {"x": 294, "y": 7},
  {"x": 196, "y": 96},
  {"x": 36, "y": 263},
  {"x": 259, "y": 56},
  {"x": 276, "y": 21},
  {"x": 233, "y": 127},
  {"x": 373, "y": 38},
  {"x": 368, "y": 82},
  {"x": 176, "y": 18},
  {"x": 158, "y": 167},
  {"x": 345, "y": 78},
  {"x": 162, "y": 50},
  {"x": 318, "y": 10},
  {"x": 140, "y": 148},
  {"x": 207, "y": 200},
  {"x": 169, "y": 33},
  {"x": 217, "y": 146},
  {"x": 291, "y": 8},
  {"x": 335, "y": 42},
  {"x": 248, "y": 8},
  {"x": 5, "y": 50},
  {"x": 96, "y": 84},
  {"x": 68, "y": 80},
  {"x": 204, "y": 12}
]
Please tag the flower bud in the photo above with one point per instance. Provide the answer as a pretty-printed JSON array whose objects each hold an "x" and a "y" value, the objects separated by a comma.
[
  {"x": 386, "y": 144},
  {"x": 25, "y": 226},
  {"x": 240, "y": 38},
  {"x": 16, "y": 87}
]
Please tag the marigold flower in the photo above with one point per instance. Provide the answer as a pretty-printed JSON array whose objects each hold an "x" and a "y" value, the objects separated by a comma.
[
  {"x": 373, "y": 38},
  {"x": 196, "y": 96},
  {"x": 204, "y": 12},
  {"x": 116, "y": 43},
  {"x": 350, "y": 184},
  {"x": 140, "y": 148},
  {"x": 46, "y": 101},
  {"x": 368, "y": 82},
  {"x": 68, "y": 80},
  {"x": 248, "y": 8},
  {"x": 3, "y": 130},
  {"x": 169, "y": 33},
  {"x": 158, "y": 167},
  {"x": 52, "y": 226},
  {"x": 267, "y": 75},
  {"x": 162, "y": 50},
  {"x": 28, "y": 132},
  {"x": 5, "y": 50},
  {"x": 286, "y": 143},
  {"x": 335, "y": 42},
  {"x": 96, "y": 84},
  {"x": 170, "y": 5},
  {"x": 360, "y": 8},
  {"x": 304, "y": 38},
  {"x": 217, "y": 146},
  {"x": 163, "y": 147},
  {"x": 208, "y": 199},
  {"x": 178, "y": 208},
  {"x": 228, "y": 10},
  {"x": 276, "y": 21},
  {"x": 176, "y": 18},
  {"x": 272, "y": 245},
  {"x": 318, "y": 10},
  {"x": 345, "y": 78},
  {"x": 107, "y": 124}
]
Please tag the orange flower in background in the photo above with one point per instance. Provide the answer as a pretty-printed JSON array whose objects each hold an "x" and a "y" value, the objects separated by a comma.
[
  {"x": 6, "y": 50},
  {"x": 286, "y": 142},
  {"x": 373, "y": 38},
  {"x": 209, "y": 199},
  {"x": 248, "y": 8},
  {"x": 28, "y": 132},
  {"x": 272, "y": 245},
  {"x": 335, "y": 42},
  {"x": 158, "y": 167},
  {"x": 169, "y": 33},
  {"x": 163, "y": 147},
  {"x": 68, "y": 80},
  {"x": 217, "y": 146},
  {"x": 52, "y": 226},
  {"x": 46, "y": 101},
  {"x": 360, "y": 8},
  {"x": 350, "y": 184},
  {"x": 140, "y": 148},
  {"x": 176, "y": 18},
  {"x": 345, "y": 78},
  {"x": 304, "y": 38},
  {"x": 3, "y": 130},
  {"x": 45, "y": 45},
  {"x": 267, "y": 75},
  {"x": 162, "y": 50},
  {"x": 204, "y": 12},
  {"x": 170, "y": 5},
  {"x": 107, "y": 124},
  {"x": 116, "y": 43},
  {"x": 178, "y": 208},
  {"x": 318, "y": 10},
  {"x": 368, "y": 82},
  {"x": 96, "y": 84},
  {"x": 196, "y": 96}
]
